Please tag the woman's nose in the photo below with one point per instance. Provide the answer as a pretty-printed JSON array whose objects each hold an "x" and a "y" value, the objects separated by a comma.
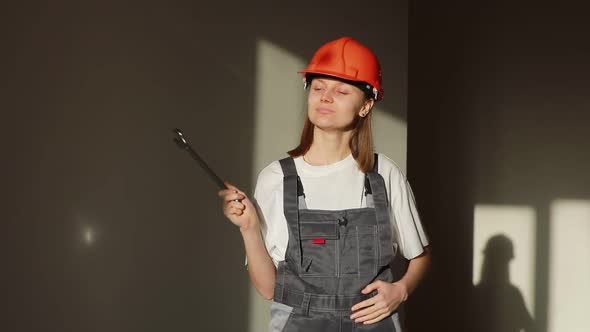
[{"x": 327, "y": 96}]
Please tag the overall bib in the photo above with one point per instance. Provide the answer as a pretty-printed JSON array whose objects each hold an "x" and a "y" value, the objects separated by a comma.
[{"x": 330, "y": 258}]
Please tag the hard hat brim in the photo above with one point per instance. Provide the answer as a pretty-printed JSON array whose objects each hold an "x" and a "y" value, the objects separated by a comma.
[{"x": 345, "y": 77}]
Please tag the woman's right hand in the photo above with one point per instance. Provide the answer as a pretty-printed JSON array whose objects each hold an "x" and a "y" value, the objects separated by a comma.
[{"x": 238, "y": 208}]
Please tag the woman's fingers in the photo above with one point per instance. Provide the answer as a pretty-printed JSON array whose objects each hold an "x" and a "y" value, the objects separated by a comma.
[
  {"x": 371, "y": 316},
  {"x": 237, "y": 207},
  {"x": 389, "y": 296},
  {"x": 230, "y": 195},
  {"x": 235, "y": 211},
  {"x": 234, "y": 206},
  {"x": 372, "y": 312},
  {"x": 378, "y": 318},
  {"x": 233, "y": 188},
  {"x": 224, "y": 192},
  {"x": 366, "y": 303},
  {"x": 372, "y": 286},
  {"x": 234, "y": 197}
]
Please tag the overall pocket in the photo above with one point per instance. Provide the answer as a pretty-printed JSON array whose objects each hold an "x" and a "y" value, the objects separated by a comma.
[
  {"x": 319, "y": 247},
  {"x": 359, "y": 253},
  {"x": 280, "y": 314}
]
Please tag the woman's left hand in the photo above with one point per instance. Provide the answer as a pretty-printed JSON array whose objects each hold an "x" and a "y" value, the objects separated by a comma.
[{"x": 389, "y": 297}]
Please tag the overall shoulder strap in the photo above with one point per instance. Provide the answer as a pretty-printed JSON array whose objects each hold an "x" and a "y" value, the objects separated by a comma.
[
  {"x": 368, "y": 190},
  {"x": 288, "y": 166},
  {"x": 290, "y": 171},
  {"x": 381, "y": 202},
  {"x": 376, "y": 164},
  {"x": 292, "y": 195}
]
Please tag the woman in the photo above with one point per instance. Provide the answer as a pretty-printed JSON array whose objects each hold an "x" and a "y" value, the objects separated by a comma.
[{"x": 332, "y": 216}]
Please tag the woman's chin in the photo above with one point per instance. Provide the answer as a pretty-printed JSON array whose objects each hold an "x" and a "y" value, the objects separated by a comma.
[{"x": 330, "y": 128}]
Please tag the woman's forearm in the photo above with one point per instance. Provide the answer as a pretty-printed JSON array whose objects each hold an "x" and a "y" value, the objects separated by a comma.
[
  {"x": 261, "y": 269},
  {"x": 416, "y": 270}
]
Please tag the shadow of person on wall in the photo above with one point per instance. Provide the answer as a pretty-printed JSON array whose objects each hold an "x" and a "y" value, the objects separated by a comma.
[{"x": 498, "y": 305}]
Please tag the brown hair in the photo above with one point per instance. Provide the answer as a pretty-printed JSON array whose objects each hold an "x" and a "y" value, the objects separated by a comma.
[{"x": 361, "y": 142}]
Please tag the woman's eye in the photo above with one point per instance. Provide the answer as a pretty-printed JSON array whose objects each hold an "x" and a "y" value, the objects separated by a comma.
[{"x": 343, "y": 92}]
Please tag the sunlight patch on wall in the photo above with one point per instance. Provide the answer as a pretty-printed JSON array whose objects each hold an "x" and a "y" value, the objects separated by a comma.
[
  {"x": 390, "y": 134},
  {"x": 569, "y": 270},
  {"x": 280, "y": 101},
  {"x": 278, "y": 119},
  {"x": 517, "y": 225}
]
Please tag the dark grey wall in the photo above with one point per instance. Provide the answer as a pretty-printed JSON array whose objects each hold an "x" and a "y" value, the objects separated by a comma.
[
  {"x": 91, "y": 90},
  {"x": 498, "y": 114}
]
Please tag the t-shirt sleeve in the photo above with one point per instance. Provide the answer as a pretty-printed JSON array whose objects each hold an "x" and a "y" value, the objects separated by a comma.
[
  {"x": 408, "y": 229},
  {"x": 269, "y": 204}
]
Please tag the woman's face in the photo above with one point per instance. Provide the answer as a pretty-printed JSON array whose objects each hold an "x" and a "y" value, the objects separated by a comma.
[{"x": 334, "y": 105}]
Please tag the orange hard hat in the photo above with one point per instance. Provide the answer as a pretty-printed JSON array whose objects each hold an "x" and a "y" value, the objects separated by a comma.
[{"x": 347, "y": 59}]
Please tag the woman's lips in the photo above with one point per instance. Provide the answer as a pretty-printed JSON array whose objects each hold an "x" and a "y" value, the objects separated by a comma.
[{"x": 323, "y": 110}]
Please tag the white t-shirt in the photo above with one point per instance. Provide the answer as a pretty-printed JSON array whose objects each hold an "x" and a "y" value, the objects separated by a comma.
[{"x": 337, "y": 186}]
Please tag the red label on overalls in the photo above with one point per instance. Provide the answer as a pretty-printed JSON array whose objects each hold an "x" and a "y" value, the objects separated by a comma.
[{"x": 318, "y": 241}]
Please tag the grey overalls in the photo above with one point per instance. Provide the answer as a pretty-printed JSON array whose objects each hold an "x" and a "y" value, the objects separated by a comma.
[{"x": 330, "y": 257}]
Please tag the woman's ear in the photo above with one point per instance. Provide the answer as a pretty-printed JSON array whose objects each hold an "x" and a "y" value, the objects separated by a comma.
[{"x": 366, "y": 108}]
